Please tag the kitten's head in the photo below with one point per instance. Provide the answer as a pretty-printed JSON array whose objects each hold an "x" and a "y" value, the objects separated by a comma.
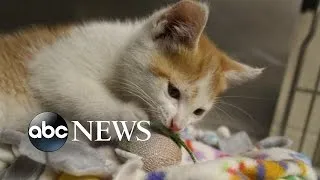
[{"x": 173, "y": 70}]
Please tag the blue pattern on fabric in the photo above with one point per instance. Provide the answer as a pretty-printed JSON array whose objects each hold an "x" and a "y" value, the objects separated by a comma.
[{"x": 156, "y": 175}]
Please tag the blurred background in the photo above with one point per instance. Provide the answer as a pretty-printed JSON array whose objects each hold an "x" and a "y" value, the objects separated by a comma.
[{"x": 264, "y": 33}]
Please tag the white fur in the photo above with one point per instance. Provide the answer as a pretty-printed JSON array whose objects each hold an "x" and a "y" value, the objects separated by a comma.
[
  {"x": 68, "y": 77},
  {"x": 249, "y": 73}
]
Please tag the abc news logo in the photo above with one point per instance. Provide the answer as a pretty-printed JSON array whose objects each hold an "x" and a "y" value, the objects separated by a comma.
[{"x": 48, "y": 131}]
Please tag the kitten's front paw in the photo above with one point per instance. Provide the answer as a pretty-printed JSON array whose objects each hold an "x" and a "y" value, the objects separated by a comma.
[
  {"x": 127, "y": 113},
  {"x": 126, "y": 155}
]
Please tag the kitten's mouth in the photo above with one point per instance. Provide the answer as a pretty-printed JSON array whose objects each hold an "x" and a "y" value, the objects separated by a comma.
[
  {"x": 174, "y": 127},
  {"x": 170, "y": 124}
]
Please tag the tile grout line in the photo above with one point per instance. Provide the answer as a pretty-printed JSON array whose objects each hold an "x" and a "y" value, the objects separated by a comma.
[
  {"x": 310, "y": 111},
  {"x": 298, "y": 68},
  {"x": 306, "y": 90},
  {"x": 315, "y": 153}
]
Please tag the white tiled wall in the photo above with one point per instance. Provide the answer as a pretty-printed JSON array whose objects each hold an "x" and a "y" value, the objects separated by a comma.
[
  {"x": 297, "y": 117},
  {"x": 313, "y": 130},
  {"x": 302, "y": 98},
  {"x": 311, "y": 64},
  {"x": 299, "y": 110},
  {"x": 301, "y": 30}
]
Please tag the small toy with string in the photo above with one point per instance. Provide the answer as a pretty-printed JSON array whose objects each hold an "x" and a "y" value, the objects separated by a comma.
[{"x": 161, "y": 150}]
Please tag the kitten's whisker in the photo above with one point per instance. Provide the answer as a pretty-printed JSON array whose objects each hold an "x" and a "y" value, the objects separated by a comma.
[
  {"x": 146, "y": 94},
  {"x": 150, "y": 109},
  {"x": 247, "y": 97},
  {"x": 135, "y": 94},
  {"x": 224, "y": 112},
  {"x": 238, "y": 108},
  {"x": 138, "y": 88},
  {"x": 140, "y": 93},
  {"x": 219, "y": 117}
]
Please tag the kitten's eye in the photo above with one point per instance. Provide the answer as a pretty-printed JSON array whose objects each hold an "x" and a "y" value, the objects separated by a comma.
[
  {"x": 198, "y": 112},
  {"x": 173, "y": 91}
]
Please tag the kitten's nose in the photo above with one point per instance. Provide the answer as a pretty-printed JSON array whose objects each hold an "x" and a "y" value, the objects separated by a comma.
[{"x": 174, "y": 126}]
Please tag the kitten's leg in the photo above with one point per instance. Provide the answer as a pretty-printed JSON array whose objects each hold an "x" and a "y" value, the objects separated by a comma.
[
  {"x": 126, "y": 155},
  {"x": 208, "y": 137},
  {"x": 133, "y": 169},
  {"x": 81, "y": 98}
]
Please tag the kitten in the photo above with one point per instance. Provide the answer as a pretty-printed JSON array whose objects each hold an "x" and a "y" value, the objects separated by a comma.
[{"x": 162, "y": 68}]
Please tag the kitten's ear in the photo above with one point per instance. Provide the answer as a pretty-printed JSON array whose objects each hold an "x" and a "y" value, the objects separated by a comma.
[
  {"x": 180, "y": 25},
  {"x": 237, "y": 73}
]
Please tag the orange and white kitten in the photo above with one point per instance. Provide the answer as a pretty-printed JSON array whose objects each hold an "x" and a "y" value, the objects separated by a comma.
[{"x": 162, "y": 68}]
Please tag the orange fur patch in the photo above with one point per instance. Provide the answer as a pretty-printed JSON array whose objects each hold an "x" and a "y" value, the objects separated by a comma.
[
  {"x": 18, "y": 47},
  {"x": 188, "y": 66}
]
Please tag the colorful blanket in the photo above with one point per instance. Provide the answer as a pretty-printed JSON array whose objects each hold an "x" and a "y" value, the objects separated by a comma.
[
  {"x": 257, "y": 164},
  {"x": 272, "y": 163}
]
